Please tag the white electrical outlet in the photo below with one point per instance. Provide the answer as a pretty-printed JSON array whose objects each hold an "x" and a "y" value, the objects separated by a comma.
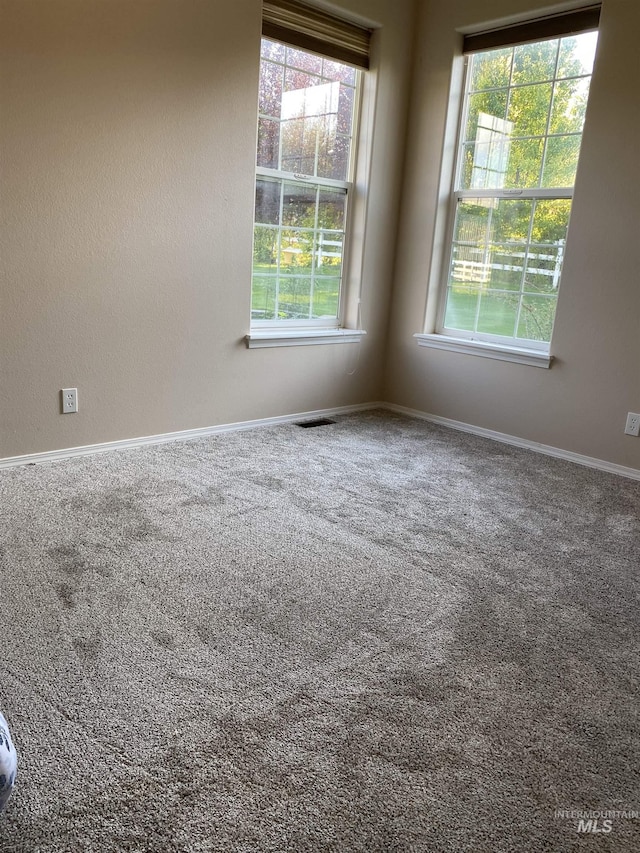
[
  {"x": 633, "y": 424},
  {"x": 69, "y": 400}
]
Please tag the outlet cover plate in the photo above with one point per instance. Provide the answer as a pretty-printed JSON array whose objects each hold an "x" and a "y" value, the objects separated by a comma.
[
  {"x": 632, "y": 426},
  {"x": 69, "y": 401}
]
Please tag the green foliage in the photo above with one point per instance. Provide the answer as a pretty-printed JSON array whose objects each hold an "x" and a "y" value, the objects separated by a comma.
[
  {"x": 297, "y": 256},
  {"x": 525, "y": 111},
  {"x": 515, "y": 85},
  {"x": 299, "y": 296}
]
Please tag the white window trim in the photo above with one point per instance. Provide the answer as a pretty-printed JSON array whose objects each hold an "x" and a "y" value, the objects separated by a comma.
[
  {"x": 270, "y": 337},
  {"x": 271, "y": 333},
  {"x": 259, "y": 326},
  {"x": 532, "y": 352},
  {"x": 486, "y": 349},
  {"x": 435, "y": 334},
  {"x": 265, "y": 172}
]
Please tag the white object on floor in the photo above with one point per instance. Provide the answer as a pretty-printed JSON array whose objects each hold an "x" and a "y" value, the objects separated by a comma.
[{"x": 8, "y": 763}]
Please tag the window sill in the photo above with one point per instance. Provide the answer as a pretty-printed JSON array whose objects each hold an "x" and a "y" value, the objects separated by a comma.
[
  {"x": 532, "y": 357},
  {"x": 301, "y": 337}
]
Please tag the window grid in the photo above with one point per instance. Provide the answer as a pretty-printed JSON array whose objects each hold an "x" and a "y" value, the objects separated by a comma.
[
  {"x": 477, "y": 267},
  {"x": 304, "y": 288},
  {"x": 284, "y": 66}
]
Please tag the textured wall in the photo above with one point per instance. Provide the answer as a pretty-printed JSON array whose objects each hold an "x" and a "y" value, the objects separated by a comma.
[
  {"x": 581, "y": 403},
  {"x": 127, "y": 137},
  {"x": 127, "y": 133}
]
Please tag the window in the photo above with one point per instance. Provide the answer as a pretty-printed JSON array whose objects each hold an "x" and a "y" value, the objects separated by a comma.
[
  {"x": 309, "y": 95},
  {"x": 307, "y": 116},
  {"x": 518, "y": 145}
]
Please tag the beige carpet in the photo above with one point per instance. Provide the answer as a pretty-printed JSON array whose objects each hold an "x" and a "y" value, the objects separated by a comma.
[{"x": 377, "y": 635}]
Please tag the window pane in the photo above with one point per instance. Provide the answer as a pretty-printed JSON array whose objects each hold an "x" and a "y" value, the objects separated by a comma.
[
  {"x": 326, "y": 294},
  {"x": 270, "y": 91},
  {"x": 471, "y": 237},
  {"x": 333, "y": 162},
  {"x": 524, "y": 112},
  {"x": 267, "y": 202},
  {"x": 299, "y": 205},
  {"x": 462, "y": 308},
  {"x": 272, "y": 50},
  {"x": 497, "y": 314},
  {"x": 265, "y": 249},
  {"x": 294, "y": 297},
  {"x": 550, "y": 220},
  {"x": 577, "y": 54},
  {"x": 263, "y": 297},
  {"x": 298, "y": 82},
  {"x": 309, "y": 128},
  {"x": 331, "y": 204},
  {"x": 328, "y": 253},
  {"x": 511, "y": 220},
  {"x": 472, "y": 221},
  {"x": 503, "y": 146},
  {"x": 268, "y": 143},
  {"x": 345, "y": 109},
  {"x": 525, "y": 160},
  {"x": 474, "y": 233},
  {"x": 491, "y": 69},
  {"x": 536, "y": 318},
  {"x": 332, "y": 70},
  {"x": 486, "y": 105},
  {"x": 299, "y": 146},
  {"x": 502, "y": 163},
  {"x": 533, "y": 62},
  {"x": 544, "y": 265},
  {"x": 296, "y": 247},
  {"x": 529, "y": 109},
  {"x": 468, "y": 264},
  {"x": 561, "y": 161},
  {"x": 305, "y": 127},
  {"x": 569, "y": 105},
  {"x": 303, "y": 60},
  {"x": 505, "y": 268},
  {"x": 506, "y": 252}
]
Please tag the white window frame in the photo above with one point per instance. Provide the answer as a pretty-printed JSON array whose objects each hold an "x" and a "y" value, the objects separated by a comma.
[
  {"x": 524, "y": 351},
  {"x": 330, "y": 183},
  {"x": 298, "y": 331}
]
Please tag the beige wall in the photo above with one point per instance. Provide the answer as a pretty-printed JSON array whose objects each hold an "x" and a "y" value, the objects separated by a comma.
[
  {"x": 582, "y": 402},
  {"x": 127, "y": 133},
  {"x": 127, "y": 137}
]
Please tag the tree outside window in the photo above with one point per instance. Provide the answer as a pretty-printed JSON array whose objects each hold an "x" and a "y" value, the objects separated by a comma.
[{"x": 520, "y": 135}]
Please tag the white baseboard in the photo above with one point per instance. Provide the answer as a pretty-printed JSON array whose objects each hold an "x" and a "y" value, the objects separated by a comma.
[
  {"x": 181, "y": 435},
  {"x": 188, "y": 434},
  {"x": 505, "y": 438}
]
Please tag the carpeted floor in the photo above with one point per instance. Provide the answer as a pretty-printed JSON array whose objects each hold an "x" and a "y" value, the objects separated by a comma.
[{"x": 377, "y": 635}]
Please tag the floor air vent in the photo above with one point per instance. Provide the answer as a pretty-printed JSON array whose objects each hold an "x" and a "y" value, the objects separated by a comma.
[{"x": 317, "y": 422}]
